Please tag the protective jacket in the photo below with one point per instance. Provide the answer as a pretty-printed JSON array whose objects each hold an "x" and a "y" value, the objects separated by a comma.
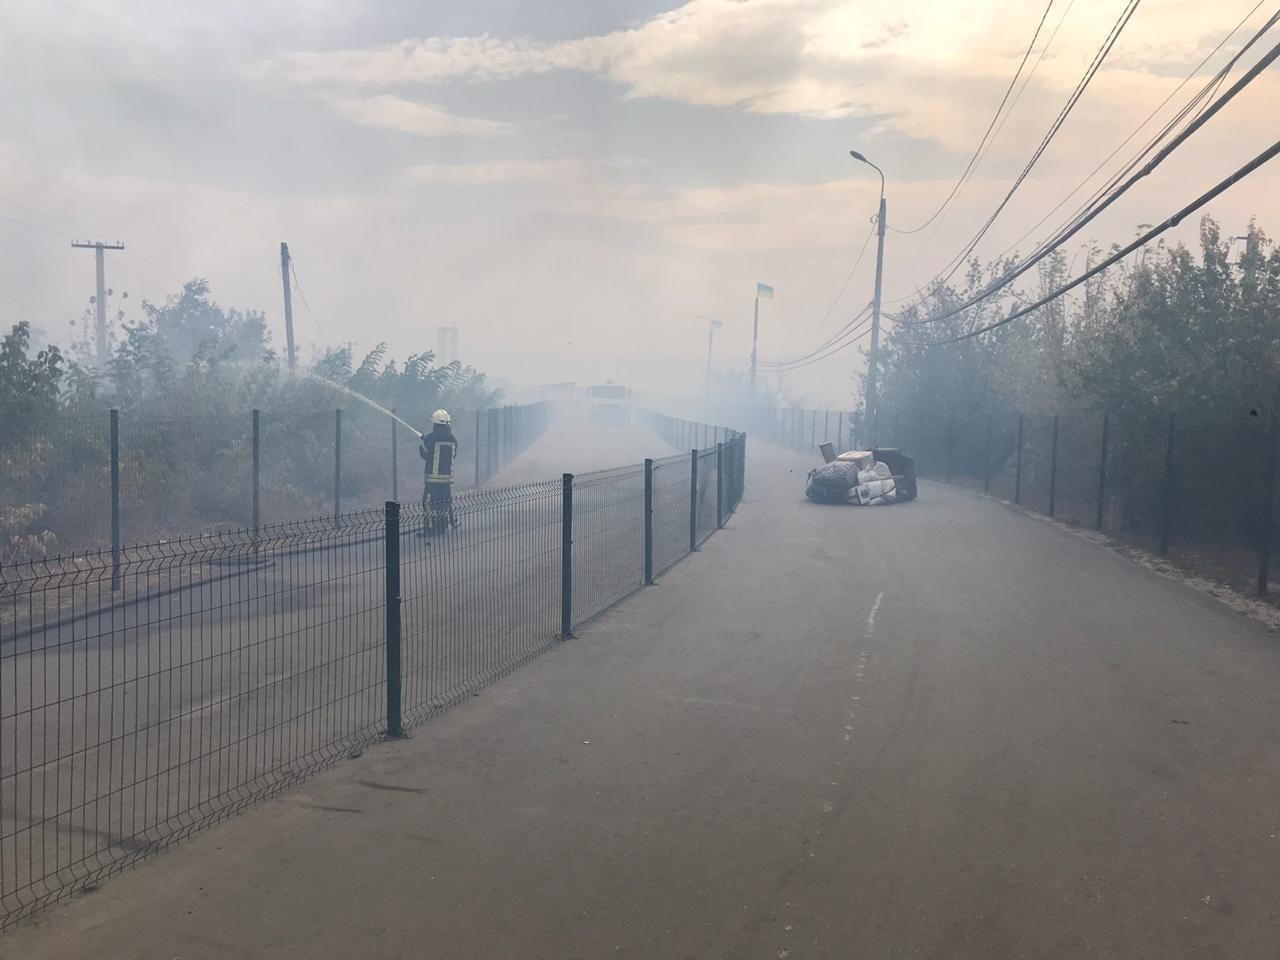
[{"x": 439, "y": 451}]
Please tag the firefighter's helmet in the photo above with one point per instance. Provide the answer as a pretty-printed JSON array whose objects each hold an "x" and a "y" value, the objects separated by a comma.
[{"x": 441, "y": 416}]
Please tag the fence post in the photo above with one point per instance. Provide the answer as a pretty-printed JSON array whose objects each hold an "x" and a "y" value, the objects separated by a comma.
[
  {"x": 1053, "y": 471},
  {"x": 648, "y": 521},
  {"x": 476, "y": 444},
  {"x": 1268, "y": 509},
  {"x": 693, "y": 501},
  {"x": 337, "y": 467},
  {"x": 395, "y": 459},
  {"x": 115, "y": 499},
  {"x": 257, "y": 475},
  {"x": 813, "y": 427},
  {"x": 566, "y": 559},
  {"x": 986, "y": 479},
  {"x": 488, "y": 444},
  {"x": 391, "y": 550},
  {"x": 741, "y": 464},
  {"x": 1167, "y": 512},
  {"x": 951, "y": 440},
  {"x": 1017, "y": 477},
  {"x": 1102, "y": 469},
  {"x": 840, "y": 431},
  {"x": 719, "y": 486}
]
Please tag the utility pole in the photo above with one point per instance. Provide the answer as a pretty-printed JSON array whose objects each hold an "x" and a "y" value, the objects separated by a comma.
[
  {"x": 1251, "y": 253},
  {"x": 873, "y": 357},
  {"x": 755, "y": 339},
  {"x": 766, "y": 291},
  {"x": 100, "y": 299},
  {"x": 288, "y": 301},
  {"x": 712, "y": 327}
]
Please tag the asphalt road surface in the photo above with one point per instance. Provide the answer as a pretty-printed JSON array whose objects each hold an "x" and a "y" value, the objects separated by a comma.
[
  {"x": 218, "y": 673},
  {"x": 941, "y": 729}
]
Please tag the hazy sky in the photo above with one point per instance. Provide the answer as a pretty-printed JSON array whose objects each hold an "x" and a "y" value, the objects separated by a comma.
[{"x": 572, "y": 181}]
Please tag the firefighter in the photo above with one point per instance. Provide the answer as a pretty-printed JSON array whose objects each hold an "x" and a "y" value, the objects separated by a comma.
[{"x": 439, "y": 451}]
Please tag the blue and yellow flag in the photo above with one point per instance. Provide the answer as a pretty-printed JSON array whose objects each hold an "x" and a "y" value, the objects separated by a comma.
[{"x": 764, "y": 291}]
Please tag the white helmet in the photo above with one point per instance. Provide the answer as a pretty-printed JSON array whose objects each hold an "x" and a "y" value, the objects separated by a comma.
[{"x": 441, "y": 416}]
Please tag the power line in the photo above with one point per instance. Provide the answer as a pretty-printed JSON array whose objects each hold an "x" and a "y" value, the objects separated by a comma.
[
  {"x": 1267, "y": 155},
  {"x": 844, "y": 286},
  {"x": 83, "y": 231},
  {"x": 1099, "y": 58},
  {"x": 33, "y": 226},
  {"x": 858, "y": 317},
  {"x": 852, "y": 332},
  {"x": 1081, "y": 222},
  {"x": 1208, "y": 89},
  {"x": 1026, "y": 82},
  {"x": 49, "y": 216},
  {"x": 857, "y": 334},
  {"x": 139, "y": 275},
  {"x": 297, "y": 285},
  {"x": 991, "y": 126}
]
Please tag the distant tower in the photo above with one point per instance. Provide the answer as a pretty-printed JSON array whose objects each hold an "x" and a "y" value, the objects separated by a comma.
[{"x": 446, "y": 345}]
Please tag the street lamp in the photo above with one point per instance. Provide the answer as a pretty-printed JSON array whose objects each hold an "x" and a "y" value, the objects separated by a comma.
[
  {"x": 874, "y": 355},
  {"x": 712, "y": 327}
]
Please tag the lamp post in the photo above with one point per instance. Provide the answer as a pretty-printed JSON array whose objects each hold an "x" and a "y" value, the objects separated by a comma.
[
  {"x": 873, "y": 357},
  {"x": 712, "y": 327}
]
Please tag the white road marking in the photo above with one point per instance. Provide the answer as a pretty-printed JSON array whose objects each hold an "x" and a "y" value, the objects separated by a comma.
[
  {"x": 871, "y": 619},
  {"x": 711, "y": 702},
  {"x": 862, "y": 659}
]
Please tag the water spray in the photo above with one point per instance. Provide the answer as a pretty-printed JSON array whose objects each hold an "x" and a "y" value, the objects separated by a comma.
[{"x": 363, "y": 399}]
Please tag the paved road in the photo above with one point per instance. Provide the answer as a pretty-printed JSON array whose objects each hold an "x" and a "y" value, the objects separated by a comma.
[
  {"x": 937, "y": 730},
  {"x": 217, "y": 674}
]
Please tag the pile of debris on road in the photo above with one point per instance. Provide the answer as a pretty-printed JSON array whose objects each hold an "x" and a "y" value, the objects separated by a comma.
[{"x": 863, "y": 477}]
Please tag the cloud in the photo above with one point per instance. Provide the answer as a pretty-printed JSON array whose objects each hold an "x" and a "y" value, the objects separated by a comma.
[
  {"x": 387, "y": 112},
  {"x": 497, "y": 171},
  {"x": 810, "y": 58}
]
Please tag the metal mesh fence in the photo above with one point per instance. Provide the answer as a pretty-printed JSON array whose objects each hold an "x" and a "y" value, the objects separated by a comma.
[
  {"x": 53, "y": 474},
  {"x": 179, "y": 476},
  {"x": 183, "y": 475},
  {"x": 223, "y": 668},
  {"x": 705, "y": 520},
  {"x": 296, "y": 464},
  {"x": 670, "y": 512},
  {"x": 792, "y": 428},
  {"x": 149, "y": 691},
  {"x": 1200, "y": 488},
  {"x": 480, "y": 599},
  {"x": 608, "y": 539}
]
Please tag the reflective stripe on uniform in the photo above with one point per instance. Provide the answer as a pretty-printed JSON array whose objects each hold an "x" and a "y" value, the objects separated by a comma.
[{"x": 440, "y": 469}]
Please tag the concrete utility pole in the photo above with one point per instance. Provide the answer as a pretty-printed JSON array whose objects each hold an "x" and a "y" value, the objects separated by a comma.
[
  {"x": 100, "y": 299},
  {"x": 766, "y": 291},
  {"x": 1251, "y": 252},
  {"x": 873, "y": 356},
  {"x": 712, "y": 327},
  {"x": 288, "y": 301},
  {"x": 446, "y": 345}
]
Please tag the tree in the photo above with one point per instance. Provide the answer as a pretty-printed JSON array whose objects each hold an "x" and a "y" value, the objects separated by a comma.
[{"x": 29, "y": 386}]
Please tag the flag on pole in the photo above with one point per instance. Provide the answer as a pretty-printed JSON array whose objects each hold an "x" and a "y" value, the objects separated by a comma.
[{"x": 764, "y": 291}]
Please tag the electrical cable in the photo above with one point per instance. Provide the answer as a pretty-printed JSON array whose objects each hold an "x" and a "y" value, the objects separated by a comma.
[
  {"x": 1026, "y": 82},
  {"x": 1108, "y": 43},
  {"x": 297, "y": 285},
  {"x": 844, "y": 286},
  {"x": 1209, "y": 89},
  {"x": 991, "y": 126},
  {"x": 1261, "y": 159},
  {"x": 1081, "y": 222}
]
